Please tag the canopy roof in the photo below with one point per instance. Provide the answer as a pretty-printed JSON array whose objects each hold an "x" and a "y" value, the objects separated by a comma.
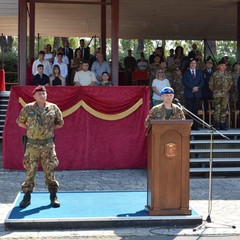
[{"x": 139, "y": 19}]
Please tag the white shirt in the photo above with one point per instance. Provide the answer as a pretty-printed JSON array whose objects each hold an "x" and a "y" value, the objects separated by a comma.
[
  {"x": 85, "y": 78},
  {"x": 47, "y": 67},
  {"x": 63, "y": 69},
  {"x": 159, "y": 84},
  {"x": 64, "y": 59}
]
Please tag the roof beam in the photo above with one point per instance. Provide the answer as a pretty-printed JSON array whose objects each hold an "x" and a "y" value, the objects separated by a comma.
[{"x": 72, "y": 2}]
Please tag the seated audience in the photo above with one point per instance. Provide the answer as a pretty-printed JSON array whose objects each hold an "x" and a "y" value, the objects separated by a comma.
[
  {"x": 40, "y": 78},
  {"x": 85, "y": 77},
  {"x": 48, "y": 53},
  {"x": 105, "y": 80},
  {"x": 56, "y": 79},
  {"x": 61, "y": 64},
  {"x": 64, "y": 57},
  {"x": 47, "y": 66},
  {"x": 75, "y": 64},
  {"x": 100, "y": 66}
]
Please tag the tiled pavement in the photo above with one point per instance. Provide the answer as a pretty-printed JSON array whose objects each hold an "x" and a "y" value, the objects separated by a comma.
[{"x": 225, "y": 205}]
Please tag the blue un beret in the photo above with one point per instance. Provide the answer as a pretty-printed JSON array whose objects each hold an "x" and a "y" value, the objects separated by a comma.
[{"x": 167, "y": 90}]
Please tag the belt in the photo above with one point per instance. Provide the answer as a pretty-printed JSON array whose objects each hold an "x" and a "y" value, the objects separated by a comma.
[{"x": 40, "y": 141}]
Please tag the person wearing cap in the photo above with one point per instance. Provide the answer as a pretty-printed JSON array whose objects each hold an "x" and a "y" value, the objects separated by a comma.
[
  {"x": 166, "y": 110},
  {"x": 40, "y": 118},
  {"x": 47, "y": 65},
  {"x": 220, "y": 84},
  {"x": 193, "y": 83}
]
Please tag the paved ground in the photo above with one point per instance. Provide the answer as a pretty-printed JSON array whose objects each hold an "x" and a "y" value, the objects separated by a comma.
[{"x": 225, "y": 205}]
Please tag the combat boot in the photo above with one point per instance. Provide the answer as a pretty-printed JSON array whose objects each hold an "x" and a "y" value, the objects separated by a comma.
[
  {"x": 54, "y": 200},
  {"x": 26, "y": 200}
]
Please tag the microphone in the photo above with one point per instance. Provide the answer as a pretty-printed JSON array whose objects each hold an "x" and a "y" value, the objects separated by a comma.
[{"x": 176, "y": 101}]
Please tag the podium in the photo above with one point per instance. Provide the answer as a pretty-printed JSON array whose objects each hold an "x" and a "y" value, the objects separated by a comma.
[{"x": 168, "y": 167}]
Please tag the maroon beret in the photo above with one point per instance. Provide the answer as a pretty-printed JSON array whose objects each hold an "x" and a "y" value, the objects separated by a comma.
[{"x": 39, "y": 89}]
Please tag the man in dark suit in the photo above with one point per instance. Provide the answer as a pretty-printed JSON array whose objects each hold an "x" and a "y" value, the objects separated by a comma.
[
  {"x": 68, "y": 51},
  {"x": 193, "y": 83},
  {"x": 206, "y": 92},
  {"x": 84, "y": 51},
  {"x": 192, "y": 54}
]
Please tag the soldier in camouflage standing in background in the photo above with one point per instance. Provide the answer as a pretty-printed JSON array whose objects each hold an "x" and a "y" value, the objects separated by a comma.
[
  {"x": 220, "y": 83},
  {"x": 178, "y": 86},
  {"x": 40, "y": 119}
]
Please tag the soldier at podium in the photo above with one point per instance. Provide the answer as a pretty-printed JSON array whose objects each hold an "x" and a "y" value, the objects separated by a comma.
[{"x": 167, "y": 109}]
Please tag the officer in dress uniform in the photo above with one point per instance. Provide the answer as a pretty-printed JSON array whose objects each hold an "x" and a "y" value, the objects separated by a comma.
[{"x": 40, "y": 119}]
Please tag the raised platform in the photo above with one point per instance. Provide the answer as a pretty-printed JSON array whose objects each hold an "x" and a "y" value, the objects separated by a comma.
[{"x": 91, "y": 210}]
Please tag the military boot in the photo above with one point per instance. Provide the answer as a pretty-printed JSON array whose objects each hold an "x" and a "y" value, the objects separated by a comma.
[
  {"x": 26, "y": 200},
  {"x": 54, "y": 200}
]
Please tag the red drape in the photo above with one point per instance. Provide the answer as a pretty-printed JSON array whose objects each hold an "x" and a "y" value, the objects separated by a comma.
[
  {"x": 2, "y": 80},
  {"x": 86, "y": 141}
]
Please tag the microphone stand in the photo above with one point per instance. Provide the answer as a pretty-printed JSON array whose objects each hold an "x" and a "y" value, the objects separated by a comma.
[{"x": 211, "y": 129}]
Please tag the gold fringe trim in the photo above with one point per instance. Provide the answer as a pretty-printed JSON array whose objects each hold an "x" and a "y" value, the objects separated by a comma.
[{"x": 103, "y": 116}]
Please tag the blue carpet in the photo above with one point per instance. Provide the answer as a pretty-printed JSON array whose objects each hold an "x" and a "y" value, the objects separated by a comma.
[
  {"x": 91, "y": 210},
  {"x": 83, "y": 205}
]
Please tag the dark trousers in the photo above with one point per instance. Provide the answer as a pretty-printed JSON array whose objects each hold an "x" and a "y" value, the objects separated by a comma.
[{"x": 193, "y": 104}]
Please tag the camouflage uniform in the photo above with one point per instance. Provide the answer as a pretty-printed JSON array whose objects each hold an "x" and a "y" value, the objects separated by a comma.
[
  {"x": 178, "y": 87},
  {"x": 220, "y": 84},
  {"x": 40, "y": 146},
  {"x": 234, "y": 90},
  {"x": 153, "y": 68},
  {"x": 160, "y": 112}
]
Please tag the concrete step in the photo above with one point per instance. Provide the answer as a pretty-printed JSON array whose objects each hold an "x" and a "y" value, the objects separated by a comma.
[
  {"x": 215, "y": 150},
  {"x": 215, "y": 169},
  {"x": 215, "y": 141},
  {"x": 225, "y": 160}
]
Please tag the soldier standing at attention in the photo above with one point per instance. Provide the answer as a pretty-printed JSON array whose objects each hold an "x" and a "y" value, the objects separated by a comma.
[
  {"x": 166, "y": 110},
  {"x": 220, "y": 83},
  {"x": 40, "y": 119}
]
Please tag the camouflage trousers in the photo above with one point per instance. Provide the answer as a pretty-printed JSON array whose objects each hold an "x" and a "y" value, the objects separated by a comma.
[
  {"x": 220, "y": 109},
  {"x": 46, "y": 155}
]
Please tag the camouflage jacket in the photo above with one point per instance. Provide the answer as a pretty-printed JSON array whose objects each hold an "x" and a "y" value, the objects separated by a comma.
[
  {"x": 159, "y": 112},
  {"x": 220, "y": 84},
  {"x": 40, "y": 123}
]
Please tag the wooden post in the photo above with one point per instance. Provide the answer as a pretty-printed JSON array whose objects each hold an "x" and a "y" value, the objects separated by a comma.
[{"x": 22, "y": 41}]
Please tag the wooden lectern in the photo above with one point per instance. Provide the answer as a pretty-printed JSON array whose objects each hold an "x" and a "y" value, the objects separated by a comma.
[{"x": 168, "y": 167}]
